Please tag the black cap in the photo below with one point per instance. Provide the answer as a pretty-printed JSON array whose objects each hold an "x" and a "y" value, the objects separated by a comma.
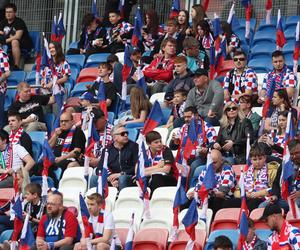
[
  {"x": 269, "y": 210},
  {"x": 201, "y": 72}
]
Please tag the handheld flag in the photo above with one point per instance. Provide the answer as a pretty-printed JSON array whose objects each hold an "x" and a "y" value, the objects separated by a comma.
[
  {"x": 102, "y": 187},
  {"x": 87, "y": 226},
  {"x": 137, "y": 33},
  {"x": 121, "y": 8},
  {"x": 27, "y": 238},
  {"x": 280, "y": 38},
  {"x": 38, "y": 59},
  {"x": 60, "y": 28},
  {"x": 94, "y": 8},
  {"x": 130, "y": 234},
  {"x": 270, "y": 93},
  {"x": 243, "y": 231},
  {"x": 53, "y": 29},
  {"x": 141, "y": 82},
  {"x": 268, "y": 11},
  {"x": 296, "y": 53},
  {"x": 190, "y": 141},
  {"x": 190, "y": 221},
  {"x": 175, "y": 9},
  {"x": 248, "y": 9},
  {"x": 18, "y": 219},
  {"x": 154, "y": 119}
]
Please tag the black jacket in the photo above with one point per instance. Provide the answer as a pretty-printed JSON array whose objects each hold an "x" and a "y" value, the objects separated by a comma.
[
  {"x": 123, "y": 160},
  {"x": 238, "y": 134}
]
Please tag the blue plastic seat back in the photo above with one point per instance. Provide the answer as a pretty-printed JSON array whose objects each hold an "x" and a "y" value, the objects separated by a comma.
[
  {"x": 39, "y": 180},
  {"x": 77, "y": 60},
  {"x": 38, "y": 136},
  {"x": 37, "y": 150},
  {"x": 133, "y": 134},
  {"x": 9, "y": 98},
  {"x": 233, "y": 235},
  {"x": 95, "y": 59},
  {"x": 80, "y": 88},
  {"x": 16, "y": 77}
]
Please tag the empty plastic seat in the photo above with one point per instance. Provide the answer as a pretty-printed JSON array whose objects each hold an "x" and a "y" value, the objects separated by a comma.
[
  {"x": 88, "y": 75},
  {"x": 129, "y": 192},
  {"x": 264, "y": 49},
  {"x": 77, "y": 60},
  {"x": 151, "y": 239},
  {"x": 163, "y": 197},
  {"x": 160, "y": 97},
  {"x": 95, "y": 59},
  {"x": 80, "y": 88},
  {"x": 183, "y": 238},
  {"x": 16, "y": 77},
  {"x": 156, "y": 223},
  {"x": 226, "y": 218},
  {"x": 164, "y": 134},
  {"x": 38, "y": 136},
  {"x": 30, "y": 78},
  {"x": 289, "y": 47},
  {"x": 273, "y": 21},
  {"x": 265, "y": 35},
  {"x": 290, "y": 33},
  {"x": 242, "y": 23},
  {"x": 111, "y": 117},
  {"x": 291, "y": 21},
  {"x": 73, "y": 45},
  {"x": 233, "y": 235},
  {"x": 122, "y": 217},
  {"x": 129, "y": 203}
]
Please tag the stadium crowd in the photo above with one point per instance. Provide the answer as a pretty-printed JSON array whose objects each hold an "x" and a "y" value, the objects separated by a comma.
[{"x": 204, "y": 137}]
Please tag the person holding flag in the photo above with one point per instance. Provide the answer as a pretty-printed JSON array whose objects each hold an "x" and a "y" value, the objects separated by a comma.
[
  {"x": 102, "y": 223},
  {"x": 281, "y": 74}
]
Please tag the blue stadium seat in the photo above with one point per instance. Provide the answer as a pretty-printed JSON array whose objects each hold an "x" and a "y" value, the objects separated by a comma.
[
  {"x": 263, "y": 234},
  {"x": 39, "y": 180},
  {"x": 80, "y": 88},
  {"x": 261, "y": 65},
  {"x": 240, "y": 32},
  {"x": 242, "y": 23},
  {"x": 16, "y": 77},
  {"x": 111, "y": 117},
  {"x": 9, "y": 98},
  {"x": 37, "y": 150},
  {"x": 273, "y": 22},
  {"x": 289, "y": 61},
  {"x": 95, "y": 59},
  {"x": 289, "y": 47},
  {"x": 74, "y": 73},
  {"x": 133, "y": 134},
  {"x": 38, "y": 136},
  {"x": 77, "y": 60},
  {"x": 263, "y": 49},
  {"x": 49, "y": 119},
  {"x": 73, "y": 45},
  {"x": 233, "y": 235},
  {"x": 290, "y": 32},
  {"x": 291, "y": 21}
]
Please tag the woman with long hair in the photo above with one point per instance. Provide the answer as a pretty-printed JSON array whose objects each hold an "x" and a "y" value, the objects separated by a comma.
[
  {"x": 198, "y": 14},
  {"x": 183, "y": 21},
  {"x": 233, "y": 134},
  {"x": 204, "y": 36}
]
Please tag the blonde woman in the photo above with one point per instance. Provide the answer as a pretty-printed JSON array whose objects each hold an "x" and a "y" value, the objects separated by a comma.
[{"x": 231, "y": 140}]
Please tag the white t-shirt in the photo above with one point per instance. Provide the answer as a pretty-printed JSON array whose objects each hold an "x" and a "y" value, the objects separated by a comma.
[
  {"x": 108, "y": 224},
  {"x": 19, "y": 153}
]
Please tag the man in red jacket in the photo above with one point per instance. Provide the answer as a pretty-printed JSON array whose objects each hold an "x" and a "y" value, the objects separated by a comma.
[{"x": 160, "y": 71}]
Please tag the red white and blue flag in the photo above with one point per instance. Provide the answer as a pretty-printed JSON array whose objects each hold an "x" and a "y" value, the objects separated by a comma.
[
  {"x": 175, "y": 9},
  {"x": 102, "y": 187},
  {"x": 248, "y": 9},
  {"x": 27, "y": 240},
  {"x": 296, "y": 53},
  {"x": 190, "y": 221},
  {"x": 280, "y": 38},
  {"x": 141, "y": 82},
  {"x": 217, "y": 31},
  {"x": 94, "y": 8},
  {"x": 87, "y": 226},
  {"x": 154, "y": 119},
  {"x": 53, "y": 29},
  {"x": 221, "y": 56},
  {"x": 60, "y": 28},
  {"x": 122, "y": 8},
  {"x": 267, "y": 104},
  {"x": 17, "y": 214},
  {"x": 243, "y": 230},
  {"x": 138, "y": 25},
  {"x": 126, "y": 70},
  {"x": 130, "y": 234},
  {"x": 190, "y": 141},
  {"x": 268, "y": 11}
]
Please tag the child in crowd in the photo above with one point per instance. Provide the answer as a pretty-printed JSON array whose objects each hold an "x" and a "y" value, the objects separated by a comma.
[{"x": 176, "y": 118}]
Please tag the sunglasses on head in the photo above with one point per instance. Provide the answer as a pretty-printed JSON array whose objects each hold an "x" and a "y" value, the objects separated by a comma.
[
  {"x": 122, "y": 133},
  {"x": 239, "y": 59},
  {"x": 231, "y": 109}
]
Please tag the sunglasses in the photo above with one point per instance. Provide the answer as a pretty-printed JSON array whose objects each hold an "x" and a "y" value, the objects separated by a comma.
[
  {"x": 239, "y": 59},
  {"x": 122, "y": 133},
  {"x": 231, "y": 109}
]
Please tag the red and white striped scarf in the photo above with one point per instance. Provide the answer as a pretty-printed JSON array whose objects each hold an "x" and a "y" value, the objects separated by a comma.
[
  {"x": 68, "y": 141},
  {"x": 249, "y": 246},
  {"x": 98, "y": 232},
  {"x": 261, "y": 182},
  {"x": 14, "y": 138},
  {"x": 281, "y": 241}
]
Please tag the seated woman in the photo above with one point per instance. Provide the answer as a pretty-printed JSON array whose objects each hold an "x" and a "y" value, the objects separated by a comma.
[
  {"x": 233, "y": 133},
  {"x": 259, "y": 178},
  {"x": 161, "y": 170},
  {"x": 280, "y": 102}
]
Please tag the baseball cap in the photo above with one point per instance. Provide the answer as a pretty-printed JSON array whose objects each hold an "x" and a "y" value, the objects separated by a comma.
[
  {"x": 87, "y": 96},
  {"x": 269, "y": 210},
  {"x": 201, "y": 72}
]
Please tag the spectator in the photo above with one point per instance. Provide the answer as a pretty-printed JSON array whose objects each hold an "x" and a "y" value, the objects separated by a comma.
[
  {"x": 12, "y": 158},
  {"x": 2, "y": 9},
  {"x": 232, "y": 41},
  {"x": 110, "y": 90},
  {"x": 204, "y": 36},
  {"x": 122, "y": 158},
  {"x": 16, "y": 34},
  {"x": 161, "y": 170},
  {"x": 206, "y": 136},
  {"x": 225, "y": 182},
  {"x": 95, "y": 204},
  {"x": 87, "y": 101},
  {"x": 280, "y": 102},
  {"x": 283, "y": 232},
  {"x": 196, "y": 58},
  {"x": 4, "y": 74},
  {"x": 252, "y": 241},
  {"x": 133, "y": 77},
  {"x": 176, "y": 118},
  {"x": 58, "y": 228},
  {"x": 281, "y": 75},
  {"x": 68, "y": 143},
  {"x": 183, "y": 22},
  {"x": 161, "y": 69},
  {"x": 245, "y": 102},
  {"x": 17, "y": 133},
  {"x": 113, "y": 60},
  {"x": 207, "y": 96},
  {"x": 30, "y": 108},
  {"x": 222, "y": 243},
  {"x": 233, "y": 133},
  {"x": 197, "y": 14},
  {"x": 93, "y": 37},
  {"x": 240, "y": 80},
  {"x": 140, "y": 107},
  {"x": 183, "y": 78},
  {"x": 119, "y": 32}
]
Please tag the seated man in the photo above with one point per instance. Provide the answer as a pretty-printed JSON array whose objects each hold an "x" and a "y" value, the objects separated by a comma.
[
  {"x": 16, "y": 34},
  {"x": 12, "y": 158},
  {"x": 68, "y": 143},
  {"x": 222, "y": 243},
  {"x": 240, "y": 80},
  {"x": 30, "y": 108},
  {"x": 58, "y": 228},
  {"x": 122, "y": 158},
  {"x": 110, "y": 90},
  {"x": 207, "y": 96},
  {"x": 183, "y": 78},
  {"x": 161, "y": 69},
  {"x": 95, "y": 203},
  {"x": 17, "y": 134},
  {"x": 281, "y": 75}
]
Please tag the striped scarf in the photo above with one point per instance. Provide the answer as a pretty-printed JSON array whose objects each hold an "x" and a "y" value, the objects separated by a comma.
[
  {"x": 98, "y": 231},
  {"x": 249, "y": 246},
  {"x": 154, "y": 159},
  {"x": 261, "y": 182},
  {"x": 281, "y": 241},
  {"x": 68, "y": 141}
]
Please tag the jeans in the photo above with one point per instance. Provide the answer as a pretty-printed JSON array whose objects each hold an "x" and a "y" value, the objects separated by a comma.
[
  {"x": 282, "y": 203},
  {"x": 124, "y": 181},
  {"x": 2, "y": 101}
]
